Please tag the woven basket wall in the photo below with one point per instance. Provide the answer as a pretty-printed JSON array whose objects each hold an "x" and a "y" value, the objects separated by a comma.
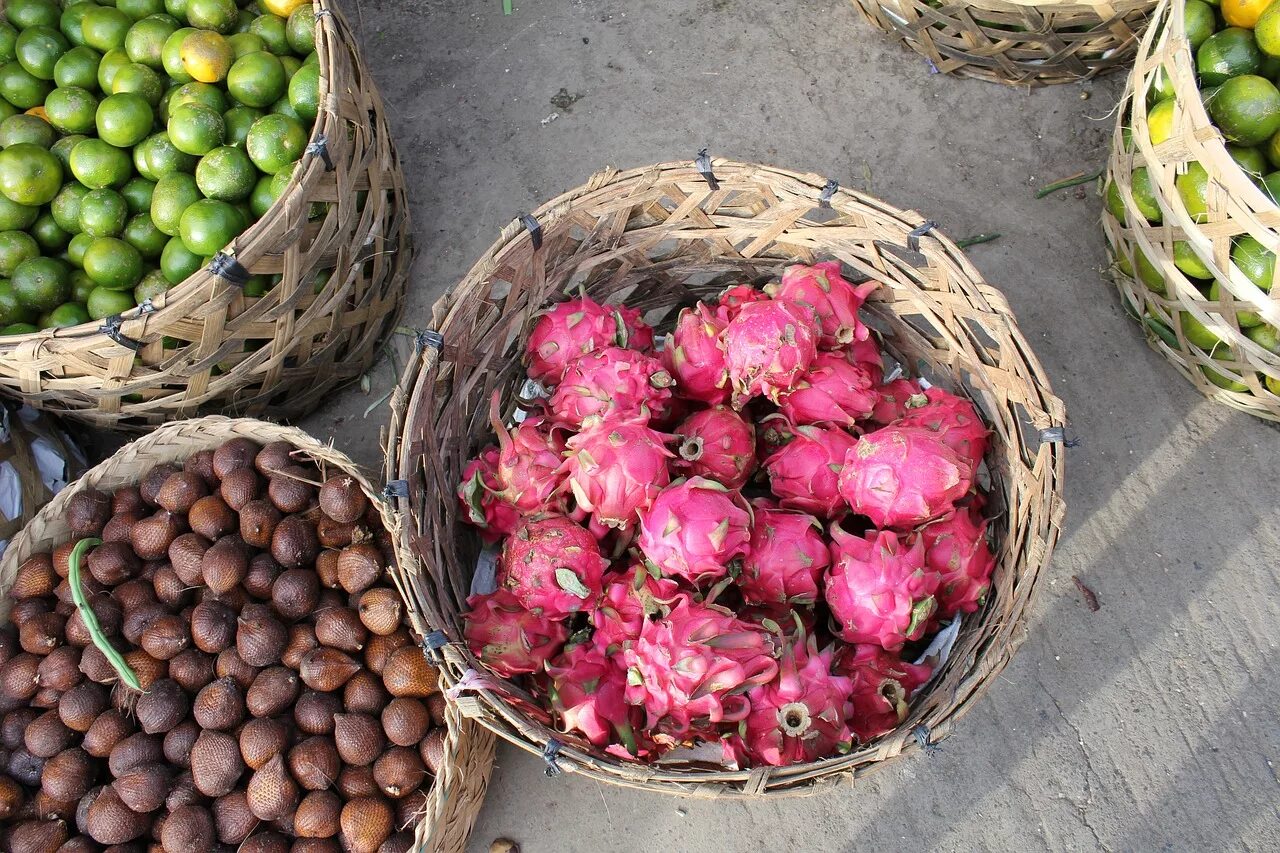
[
  {"x": 1235, "y": 371},
  {"x": 659, "y": 238},
  {"x": 458, "y": 792},
  {"x": 343, "y": 281},
  {"x": 19, "y": 452},
  {"x": 1019, "y": 42}
]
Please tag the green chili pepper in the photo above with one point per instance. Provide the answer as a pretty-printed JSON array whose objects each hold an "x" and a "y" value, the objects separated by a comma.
[{"x": 91, "y": 619}]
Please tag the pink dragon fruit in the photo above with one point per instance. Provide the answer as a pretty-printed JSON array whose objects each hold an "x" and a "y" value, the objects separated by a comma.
[
  {"x": 832, "y": 392},
  {"x": 614, "y": 381},
  {"x": 773, "y": 431},
  {"x": 731, "y": 300},
  {"x": 568, "y": 330},
  {"x": 804, "y": 473},
  {"x": 786, "y": 557},
  {"x": 956, "y": 547},
  {"x": 693, "y": 356},
  {"x": 616, "y": 468},
  {"x": 629, "y": 599},
  {"x": 587, "y": 692},
  {"x": 553, "y": 567},
  {"x": 882, "y": 688},
  {"x": 835, "y": 301},
  {"x": 692, "y": 669},
  {"x": 639, "y": 334},
  {"x": 718, "y": 444},
  {"x": 903, "y": 476},
  {"x": 954, "y": 419},
  {"x": 879, "y": 588},
  {"x": 895, "y": 398},
  {"x": 482, "y": 506},
  {"x": 867, "y": 355},
  {"x": 529, "y": 462},
  {"x": 509, "y": 639},
  {"x": 694, "y": 529},
  {"x": 801, "y": 714},
  {"x": 767, "y": 347}
]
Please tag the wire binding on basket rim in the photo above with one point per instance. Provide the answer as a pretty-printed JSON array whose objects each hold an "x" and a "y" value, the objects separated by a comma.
[
  {"x": 658, "y": 238},
  {"x": 305, "y": 342},
  {"x": 458, "y": 792},
  {"x": 1236, "y": 207},
  {"x": 1018, "y": 42}
]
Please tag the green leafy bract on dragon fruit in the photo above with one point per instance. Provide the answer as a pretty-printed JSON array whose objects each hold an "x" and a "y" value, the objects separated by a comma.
[{"x": 741, "y": 537}]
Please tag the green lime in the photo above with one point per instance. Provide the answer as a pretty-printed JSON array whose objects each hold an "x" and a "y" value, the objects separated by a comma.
[
  {"x": 1244, "y": 319},
  {"x": 1252, "y": 160},
  {"x": 103, "y": 213},
  {"x": 69, "y": 22},
  {"x": 1266, "y": 337},
  {"x": 26, "y": 128},
  {"x": 177, "y": 262},
  {"x": 274, "y": 142},
  {"x": 68, "y": 314},
  {"x": 1223, "y": 380},
  {"x": 263, "y": 196},
  {"x": 137, "y": 193},
  {"x": 62, "y": 150},
  {"x": 75, "y": 254},
  {"x": 198, "y": 93},
  {"x": 257, "y": 80},
  {"x": 245, "y": 20},
  {"x": 1267, "y": 32},
  {"x": 14, "y": 216},
  {"x": 243, "y": 44},
  {"x": 226, "y": 174},
  {"x": 70, "y": 109},
  {"x": 104, "y": 302},
  {"x": 29, "y": 174},
  {"x": 110, "y": 64},
  {"x": 152, "y": 285},
  {"x": 173, "y": 194},
  {"x": 171, "y": 55},
  {"x": 162, "y": 158},
  {"x": 313, "y": 58},
  {"x": 284, "y": 108},
  {"x": 39, "y": 49},
  {"x": 7, "y": 109},
  {"x": 1148, "y": 274},
  {"x": 219, "y": 15},
  {"x": 12, "y": 311},
  {"x": 48, "y": 234},
  {"x": 124, "y": 120},
  {"x": 16, "y": 247},
  {"x": 1255, "y": 261},
  {"x": 42, "y": 284},
  {"x": 208, "y": 225},
  {"x": 1186, "y": 259},
  {"x": 291, "y": 64},
  {"x": 97, "y": 164},
  {"x": 140, "y": 9},
  {"x": 1247, "y": 109},
  {"x": 65, "y": 206},
  {"x": 1144, "y": 195},
  {"x": 1113, "y": 202},
  {"x": 1271, "y": 186},
  {"x": 177, "y": 8},
  {"x": 300, "y": 29},
  {"x": 81, "y": 284},
  {"x": 105, "y": 28},
  {"x": 1227, "y": 53},
  {"x": 304, "y": 93},
  {"x": 32, "y": 13},
  {"x": 1199, "y": 22},
  {"x": 113, "y": 263},
  {"x": 19, "y": 329},
  {"x": 1193, "y": 187},
  {"x": 195, "y": 129},
  {"x": 20, "y": 88},
  {"x": 8, "y": 42},
  {"x": 141, "y": 233},
  {"x": 272, "y": 30},
  {"x": 138, "y": 80},
  {"x": 77, "y": 68},
  {"x": 1197, "y": 333},
  {"x": 237, "y": 121}
]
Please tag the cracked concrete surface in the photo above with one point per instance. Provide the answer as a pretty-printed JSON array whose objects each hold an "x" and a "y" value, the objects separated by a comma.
[{"x": 1147, "y": 725}]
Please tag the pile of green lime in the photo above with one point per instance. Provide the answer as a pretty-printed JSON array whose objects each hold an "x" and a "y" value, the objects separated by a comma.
[
  {"x": 137, "y": 139},
  {"x": 1236, "y": 45}
]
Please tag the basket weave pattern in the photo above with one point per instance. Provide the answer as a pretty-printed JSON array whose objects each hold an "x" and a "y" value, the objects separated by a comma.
[
  {"x": 660, "y": 238},
  {"x": 343, "y": 281},
  {"x": 1020, "y": 43},
  {"x": 1236, "y": 207},
  {"x": 458, "y": 792}
]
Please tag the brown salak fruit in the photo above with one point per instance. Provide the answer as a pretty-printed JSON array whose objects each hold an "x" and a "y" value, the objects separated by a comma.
[
  {"x": 359, "y": 738},
  {"x": 110, "y": 821},
  {"x": 11, "y": 797},
  {"x": 148, "y": 670},
  {"x": 46, "y": 699},
  {"x": 272, "y": 457},
  {"x": 272, "y": 793},
  {"x": 188, "y": 828},
  {"x": 38, "y": 836},
  {"x": 340, "y": 628},
  {"x": 317, "y": 815},
  {"x": 326, "y": 568},
  {"x": 381, "y": 610},
  {"x": 399, "y": 772},
  {"x": 289, "y": 491},
  {"x": 233, "y": 454},
  {"x": 260, "y": 637},
  {"x": 212, "y": 518},
  {"x": 79, "y": 844},
  {"x": 200, "y": 463},
  {"x": 313, "y": 712},
  {"x": 316, "y": 845},
  {"x": 192, "y": 669},
  {"x": 229, "y": 664},
  {"x": 108, "y": 730},
  {"x": 18, "y": 677},
  {"x": 150, "y": 486},
  {"x": 184, "y": 792},
  {"x": 136, "y": 619},
  {"x": 110, "y": 619},
  {"x": 379, "y": 648},
  {"x": 151, "y": 537},
  {"x": 364, "y": 694},
  {"x": 14, "y": 726},
  {"x": 273, "y": 691},
  {"x": 96, "y": 667},
  {"x": 68, "y": 776},
  {"x": 128, "y": 499},
  {"x": 295, "y": 593},
  {"x": 112, "y": 563},
  {"x": 87, "y": 512},
  {"x": 293, "y": 543},
  {"x": 186, "y": 555},
  {"x": 258, "y": 522},
  {"x": 162, "y": 707},
  {"x": 219, "y": 706},
  {"x": 315, "y": 763},
  {"x": 47, "y": 735},
  {"x": 402, "y": 842},
  {"x": 239, "y": 487},
  {"x": 26, "y": 609},
  {"x": 366, "y": 822},
  {"x": 432, "y": 750},
  {"x": 359, "y": 567},
  {"x": 213, "y": 626},
  {"x": 225, "y": 564},
  {"x": 178, "y": 742},
  {"x": 81, "y": 705},
  {"x": 61, "y": 555},
  {"x": 60, "y": 669},
  {"x": 327, "y": 669},
  {"x": 407, "y": 673},
  {"x": 406, "y": 721},
  {"x": 216, "y": 764},
  {"x": 35, "y": 577},
  {"x": 166, "y": 636},
  {"x": 265, "y": 842},
  {"x": 335, "y": 535},
  {"x": 24, "y": 767},
  {"x": 42, "y": 633},
  {"x": 135, "y": 751},
  {"x": 144, "y": 789},
  {"x": 180, "y": 491},
  {"x": 263, "y": 571},
  {"x": 302, "y": 639},
  {"x": 171, "y": 590},
  {"x": 232, "y": 819},
  {"x": 342, "y": 499},
  {"x": 120, "y": 527},
  {"x": 261, "y": 739}
]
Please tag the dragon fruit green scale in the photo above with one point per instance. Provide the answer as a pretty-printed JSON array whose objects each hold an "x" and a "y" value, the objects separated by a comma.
[{"x": 879, "y": 588}]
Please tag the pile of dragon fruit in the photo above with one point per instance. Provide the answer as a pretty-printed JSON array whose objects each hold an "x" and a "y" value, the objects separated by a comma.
[{"x": 739, "y": 538}]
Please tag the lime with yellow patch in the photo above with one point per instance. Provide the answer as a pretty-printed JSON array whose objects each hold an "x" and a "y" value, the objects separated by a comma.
[{"x": 206, "y": 56}]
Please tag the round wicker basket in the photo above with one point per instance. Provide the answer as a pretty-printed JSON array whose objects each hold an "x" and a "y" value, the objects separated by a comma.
[
  {"x": 1235, "y": 370},
  {"x": 204, "y": 347},
  {"x": 1020, "y": 42},
  {"x": 458, "y": 791},
  {"x": 661, "y": 237}
]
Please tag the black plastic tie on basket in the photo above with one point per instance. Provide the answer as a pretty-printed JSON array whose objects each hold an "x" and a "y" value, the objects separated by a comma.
[
  {"x": 396, "y": 489},
  {"x": 913, "y": 239},
  {"x": 321, "y": 147},
  {"x": 703, "y": 165},
  {"x": 230, "y": 270},
  {"x": 550, "y": 754},
  {"x": 432, "y": 643},
  {"x": 534, "y": 227},
  {"x": 1058, "y": 435},
  {"x": 324, "y": 13},
  {"x": 146, "y": 306},
  {"x": 111, "y": 328},
  {"x": 828, "y": 192},
  {"x": 423, "y": 338},
  {"x": 921, "y": 734}
]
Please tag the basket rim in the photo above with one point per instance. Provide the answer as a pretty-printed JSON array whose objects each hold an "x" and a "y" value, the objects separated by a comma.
[{"x": 407, "y": 415}]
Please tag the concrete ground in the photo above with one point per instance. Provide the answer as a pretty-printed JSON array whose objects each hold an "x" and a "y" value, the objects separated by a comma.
[{"x": 1148, "y": 725}]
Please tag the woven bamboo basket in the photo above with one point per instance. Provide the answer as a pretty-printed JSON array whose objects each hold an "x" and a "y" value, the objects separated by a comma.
[
  {"x": 659, "y": 238},
  {"x": 203, "y": 347},
  {"x": 1236, "y": 371},
  {"x": 18, "y": 437},
  {"x": 1020, "y": 42},
  {"x": 458, "y": 791}
]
